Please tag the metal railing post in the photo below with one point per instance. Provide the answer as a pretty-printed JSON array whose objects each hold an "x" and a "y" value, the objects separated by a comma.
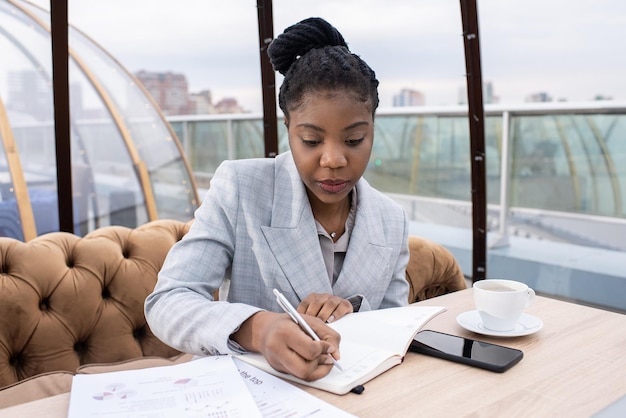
[
  {"x": 230, "y": 141},
  {"x": 502, "y": 238},
  {"x": 185, "y": 139}
]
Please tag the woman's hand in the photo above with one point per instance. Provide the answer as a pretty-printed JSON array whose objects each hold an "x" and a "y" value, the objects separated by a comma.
[
  {"x": 287, "y": 347},
  {"x": 326, "y": 307}
]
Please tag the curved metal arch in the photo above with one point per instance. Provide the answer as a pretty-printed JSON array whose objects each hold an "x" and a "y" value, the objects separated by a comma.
[
  {"x": 588, "y": 157},
  {"x": 570, "y": 161},
  {"x": 156, "y": 107},
  {"x": 37, "y": 65},
  {"x": 139, "y": 165},
  {"x": 173, "y": 135},
  {"x": 117, "y": 119},
  {"x": 22, "y": 199},
  {"x": 610, "y": 165}
]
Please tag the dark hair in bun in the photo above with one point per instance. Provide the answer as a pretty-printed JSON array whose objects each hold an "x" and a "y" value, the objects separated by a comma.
[{"x": 313, "y": 56}]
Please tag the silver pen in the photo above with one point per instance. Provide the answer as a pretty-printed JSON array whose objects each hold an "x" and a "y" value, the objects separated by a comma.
[{"x": 297, "y": 318}]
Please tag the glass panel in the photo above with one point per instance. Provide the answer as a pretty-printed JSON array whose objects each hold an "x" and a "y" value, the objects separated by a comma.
[
  {"x": 568, "y": 163},
  {"x": 103, "y": 174},
  {"x": 392, "y": 161},
  {"x": 26, "y": 89},
  {"x": 603, "y": 196},
  {"x": 208, "y": 145},
  {"x": 10, "y": 222},
  {"x": 106, "y": 186},
  {"x": 249, "y": 138},
  {"x": 283, "y": 138},
  {"x": 612, "y": 129},
  {"x": 493, "y": 151},
  {"x": 541, "y": 165},
  {"x": 149, "y": 134}
]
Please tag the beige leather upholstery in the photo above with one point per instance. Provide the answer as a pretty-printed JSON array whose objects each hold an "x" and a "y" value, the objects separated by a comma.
[
  {"x": 432, "y": 270},
  {"x": 67, "y": 302},
  {"x": 37, "y": 387}
]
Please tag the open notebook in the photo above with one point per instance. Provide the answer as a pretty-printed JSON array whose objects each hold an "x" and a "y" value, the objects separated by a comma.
[{"x": 371, "y": 343}]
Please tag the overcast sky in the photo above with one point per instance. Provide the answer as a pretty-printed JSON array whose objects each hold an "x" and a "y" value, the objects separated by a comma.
[{"x": 571, "y": 49}]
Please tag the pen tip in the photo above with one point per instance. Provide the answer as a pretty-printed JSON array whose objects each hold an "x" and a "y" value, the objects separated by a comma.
[{"x": 336, "y": 363}]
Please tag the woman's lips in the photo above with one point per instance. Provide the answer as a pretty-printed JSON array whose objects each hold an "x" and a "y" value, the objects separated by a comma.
[{"x": 333, "y": 186}]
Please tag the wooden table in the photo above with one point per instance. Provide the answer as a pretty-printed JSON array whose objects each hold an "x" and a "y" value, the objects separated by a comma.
[{"x": 575, "y": 366}]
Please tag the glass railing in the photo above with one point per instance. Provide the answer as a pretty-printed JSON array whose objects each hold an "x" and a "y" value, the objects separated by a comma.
[
  {"x": 558, "y": 157},
  {"x": 556, "y": 175}
]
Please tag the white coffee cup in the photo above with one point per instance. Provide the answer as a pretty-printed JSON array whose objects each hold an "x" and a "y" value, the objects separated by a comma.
[{"x": 501, "y": 303}]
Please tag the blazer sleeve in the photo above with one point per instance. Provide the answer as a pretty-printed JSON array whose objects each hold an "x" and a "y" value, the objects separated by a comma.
[{"x": 181, "y": 311}]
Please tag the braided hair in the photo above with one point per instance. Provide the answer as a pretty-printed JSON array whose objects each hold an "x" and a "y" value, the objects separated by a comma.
[{"x": 313, "y": 56}]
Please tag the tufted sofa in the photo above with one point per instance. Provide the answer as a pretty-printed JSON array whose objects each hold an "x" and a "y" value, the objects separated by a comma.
[{"x": 68, "y": 303}]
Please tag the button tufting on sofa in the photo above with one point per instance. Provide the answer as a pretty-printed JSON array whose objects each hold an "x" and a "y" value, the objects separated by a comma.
[
  {"x": 67, "y": 301},
  {"x": 44, "y": 305}
]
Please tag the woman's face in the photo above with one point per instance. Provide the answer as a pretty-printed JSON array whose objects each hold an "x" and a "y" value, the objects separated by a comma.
[{"x": 330, "y": 136}]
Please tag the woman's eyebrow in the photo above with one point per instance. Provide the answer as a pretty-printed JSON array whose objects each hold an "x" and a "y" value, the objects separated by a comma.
[
  {"x": 320, "y": 129},
  {"x": 355, "y": 125},
  {"x": 310, "y": 126}
]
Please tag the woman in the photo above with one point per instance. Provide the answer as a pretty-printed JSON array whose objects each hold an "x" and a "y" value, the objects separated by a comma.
[{"x": 305, "y": 223}]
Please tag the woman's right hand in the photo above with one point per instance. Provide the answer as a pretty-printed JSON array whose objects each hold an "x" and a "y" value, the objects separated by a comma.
[{"x": 287, "y": 347}]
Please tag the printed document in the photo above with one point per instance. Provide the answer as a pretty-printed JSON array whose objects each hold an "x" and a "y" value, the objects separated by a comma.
[{"x": 217, "y": 387}]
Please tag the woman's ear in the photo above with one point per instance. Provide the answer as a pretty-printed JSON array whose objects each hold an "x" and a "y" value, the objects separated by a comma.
[{"x": 286, "y": 121}]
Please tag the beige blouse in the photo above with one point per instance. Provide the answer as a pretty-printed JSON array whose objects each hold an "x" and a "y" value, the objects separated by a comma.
[{"x": 335, "y": 252}]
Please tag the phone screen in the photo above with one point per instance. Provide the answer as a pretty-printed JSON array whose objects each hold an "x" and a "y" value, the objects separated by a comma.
[{"x": 465, "y": 350}]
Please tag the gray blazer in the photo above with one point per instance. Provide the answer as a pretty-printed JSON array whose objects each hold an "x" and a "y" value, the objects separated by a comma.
[{"x": 255, "y": 228}]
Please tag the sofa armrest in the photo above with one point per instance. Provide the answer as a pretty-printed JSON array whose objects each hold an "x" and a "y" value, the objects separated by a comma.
[
  {"x": 35, "y": 388},
  {"x": 432, "y": 270},
  {"x": 134, "y": 364}
]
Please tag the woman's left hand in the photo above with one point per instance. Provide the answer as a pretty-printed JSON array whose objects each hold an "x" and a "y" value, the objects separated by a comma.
[{"x": 326, "y": 307}]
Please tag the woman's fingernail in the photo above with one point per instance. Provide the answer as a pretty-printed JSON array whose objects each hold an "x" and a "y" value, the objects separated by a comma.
[{"x": 330, "y": 319}]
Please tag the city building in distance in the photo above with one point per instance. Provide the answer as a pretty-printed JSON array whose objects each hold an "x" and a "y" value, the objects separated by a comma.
[
  {"x": 409, "y": 97},
  {"x": 171, "y": 93},
  {"x": 538, "y": 97}
]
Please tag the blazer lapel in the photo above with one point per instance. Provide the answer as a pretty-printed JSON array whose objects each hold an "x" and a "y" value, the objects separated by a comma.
[
  {"x": 367, "y": 259},
  {"x": 292, "y": 235}
]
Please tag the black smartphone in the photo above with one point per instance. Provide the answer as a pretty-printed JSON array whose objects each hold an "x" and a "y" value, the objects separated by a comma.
[{"x": 494, "y": 357}]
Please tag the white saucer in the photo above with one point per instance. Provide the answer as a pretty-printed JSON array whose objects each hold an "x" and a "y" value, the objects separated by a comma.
[{"x": 527, "y": 324}]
